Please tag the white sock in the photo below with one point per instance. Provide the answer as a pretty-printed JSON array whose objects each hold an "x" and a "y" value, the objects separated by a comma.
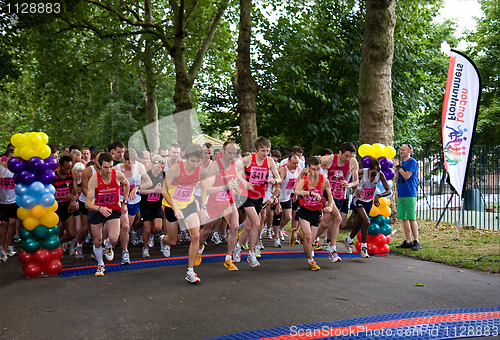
[
  {"x": 332, "y": 249},
  {"x": 349, "y": 239},
  {"x": 228, "y": 258},
  {"x": 79, "y": 244},
  {"x": 363, "y": 245},
  {"x": 190, "y": 270},
  {"x": 311, "y": 260},
  {"x": 200, "y": 251},
  {"x": 98, "y": 255}
]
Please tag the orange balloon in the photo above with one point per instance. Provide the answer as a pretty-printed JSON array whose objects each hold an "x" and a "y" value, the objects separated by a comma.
[
  {"x": 38, "y": 211},
  {"x": 383, "y": 202},
  {"x": 53, "y": 207},
  {"x": 23, "y": 213},
  {"x": 50, "y": 220},
  {"x": 386, "y": 212},
  {"x": 374, "y": 211}
]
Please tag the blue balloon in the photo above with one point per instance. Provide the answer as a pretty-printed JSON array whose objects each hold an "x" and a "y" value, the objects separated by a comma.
[
  {"x": 47, "y": 200},
  {"x": 381, "y": 189},
  {"x": 19, "y": 200},
  {"x": 386, "y": 229},
  {"x": 373, "y": 229},
  {"x": 28, "y": 201},
  {"x": 49, "y": 188},
  {"x": 388, "y": 220},
  {"x": 21, "y": 189},
  {"x": 379, "y": 220},
  {"x": 36, "y": 189}
]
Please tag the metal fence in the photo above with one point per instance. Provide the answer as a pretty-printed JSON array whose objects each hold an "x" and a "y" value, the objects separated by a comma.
[{"x": 482, "y": 193}]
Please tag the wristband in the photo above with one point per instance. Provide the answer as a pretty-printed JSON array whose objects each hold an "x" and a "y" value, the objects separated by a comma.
[
  {"x": 310, "y": 193},
  {"x": 398, "y": 167},
  {"x": 99, "y": 209}
]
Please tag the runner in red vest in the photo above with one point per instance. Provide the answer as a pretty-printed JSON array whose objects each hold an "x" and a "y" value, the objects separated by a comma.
[
  {"x": 178, "y": 193},
  {"x": 310, "y": 190},
  {"x": 343, "y": 174},
  {"x": 256, "y": 167},
  {"x": 104, "y": 207}
]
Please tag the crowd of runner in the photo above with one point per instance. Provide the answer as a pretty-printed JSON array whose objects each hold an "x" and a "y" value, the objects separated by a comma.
[{"x": 188, "y": 194}]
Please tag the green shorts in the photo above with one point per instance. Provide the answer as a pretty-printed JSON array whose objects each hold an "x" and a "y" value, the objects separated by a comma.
[{"x": 407, "y": 208}]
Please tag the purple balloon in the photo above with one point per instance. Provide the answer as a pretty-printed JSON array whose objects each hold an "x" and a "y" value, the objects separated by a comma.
[
  {"x": 384, "y": 164},
  {"x": 27, "y": 177},
  {"x": 51, "y": 163},
  {"x": 36, "y": 164},
  {"x": 389, "y": 174},
  {"x": 17, "y": 178},
  {"x": 16, "y": 164},
  {"x": 46, "y": 177},
  {"x": 390, "y": 162},
  {"x": 365, "y": 161}
]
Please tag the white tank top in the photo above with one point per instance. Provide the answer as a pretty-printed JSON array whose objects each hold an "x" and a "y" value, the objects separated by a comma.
[
  {"x": 134, "y": 180},
  {"x": 7, "y": 186},
  {"x": 288, "y": 184},
  {"x": 366, "y": 187},
  {"x": 83, "y": 197}
]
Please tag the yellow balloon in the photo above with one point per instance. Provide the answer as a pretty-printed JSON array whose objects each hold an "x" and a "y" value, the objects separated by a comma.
[
  {"x": 363, "y": 150},
  {"x": 43, "y": 137},
  {"x": 376, "y": 150},
  {"x": 374, "y": 211},
  {"x": 17, "y": 140},
  {"x": 31, "y": 223},
  {"x": 53, "y": 207},
  {"x": 26, "y": 152},
  {"x": 383, "y": 203},
  {"x": 50, "y": 220},
  {"x": 386, "y": 212},
  {"x": 17, "y": 152},
  {"x": 389, "y": 152},
  {"x": 38, "y": 211},
  {"x": 34, "y": 139},
  {"x": 42, "y": 151},
  {"x": 23, "y": 213}
]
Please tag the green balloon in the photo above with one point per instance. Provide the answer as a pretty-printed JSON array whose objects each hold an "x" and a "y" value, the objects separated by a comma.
[
  {"x": 51, "y": 242},
  {"x": 41, "y": 232},
  {"x": 30, "y": 245},
  {"x": 24, "y": 233},
  {"x": 54, "y": 230}
]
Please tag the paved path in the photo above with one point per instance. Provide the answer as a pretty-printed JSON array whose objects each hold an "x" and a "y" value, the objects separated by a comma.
[{"x": 156, "y": 303}]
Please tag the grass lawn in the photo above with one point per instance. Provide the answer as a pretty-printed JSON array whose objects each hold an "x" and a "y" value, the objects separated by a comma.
[{"x": 475, "y": 249}]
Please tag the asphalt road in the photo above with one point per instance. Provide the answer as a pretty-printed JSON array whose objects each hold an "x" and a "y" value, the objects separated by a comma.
[{"x": 157, "y": 303}]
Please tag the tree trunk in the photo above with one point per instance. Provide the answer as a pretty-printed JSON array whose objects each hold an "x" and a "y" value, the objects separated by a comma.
[
  {"x": 245, "y": 87},
  {"x": 375, "y": 83}
]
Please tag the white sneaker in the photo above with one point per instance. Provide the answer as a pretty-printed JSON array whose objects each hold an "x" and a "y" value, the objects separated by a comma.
[
  {"x": 257, "y": 249},
  {"x": 64, "y": 246},
  {"x": 3, "y": 257},
  {"x": 237, "y": 254},
  {"x": 334, "y": 257},
  {"x": 277, "y": 243},
  {"x": 151, "y": 241},
  {"x": 110, "y": 254},
  {"x": 134, "y": 238},
  {"x": 79, "y": 252},
  {"x": 145, "y": 252},
  {"x": 125, "y": 257},
  {"x": 165, "y": 248},
  {"x": 348, "y": 246},
  {"x": 216, "y": 238},
  {"x": 282, "y": 235},
  {"x": 71, "y": 250},
  {"x": 252, "y": 260},
  {"x": 192, "y": 277},
  {"x": 364, "y": 252},
  {"x": 11, "y": 251}
]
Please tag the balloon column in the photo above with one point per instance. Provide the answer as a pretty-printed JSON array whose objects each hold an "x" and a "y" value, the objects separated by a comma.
[
  {"x": 379, "y": 231},
  {"x": 33, "y": 169}
]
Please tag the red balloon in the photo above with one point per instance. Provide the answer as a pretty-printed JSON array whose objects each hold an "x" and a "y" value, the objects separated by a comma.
[
  {"x": 53, "y": 267},
  {"x": 25, "y": 257},
  {"x": 358, "y": 246},
  {"x": 385, "y": 249},
  {"x": 359, "y": 236},
  {"x": 388, "y": 237},
  {"x": 370, "y": 239},
  {"x": 56, "y": 253},
  {"x": 41, "y": 256},
  {"x": 372, "y": 249},
  {"x": 32, "y": 269},
  {"x": 380, "y": 240}
]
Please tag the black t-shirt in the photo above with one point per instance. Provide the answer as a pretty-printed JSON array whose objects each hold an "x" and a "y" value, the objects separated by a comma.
[{"x": 154, "y": 199}]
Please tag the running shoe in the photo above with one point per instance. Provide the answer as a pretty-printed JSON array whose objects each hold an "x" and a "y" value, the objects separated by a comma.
[
  {"x": 364, "y": 252},
  {"x": 100, "y": 271},
  {"x": 314, "y": 266},
  {"x": 134, "y": 237},
  {"x": 237, "y": 254},
  {"x": 293, "y": 237},
  {"x": 216, "y": 239},
  {"x": 17, "y": 239},
  {"x": 317, "y": 246},
  {"x": 348, "y": 246},
  {"x": 192, "y": 277},
  {"x": 79, "y": 252},
  {"x": 277, "y": 243},
  {"x": 416, "y": 246},
  {"x": 145, "y": 252},
  {"x": 257, "y": 249},
  {"x": 125, "y": 257},
  {"x": 197, "y": 262},
  {"x": 110, "y": 254},
  {"x": 245, "y": 245},
  {"x": 71, "y": 250},
  {"x": 11, "y": 251},
  {"x": 151, "y": 242},
  {"x": 64, "y": 246},
  {"x": 3, "y": 257},
  {"x": 261, "y": 245},
  {"x": 405, "y": 245},
  {"x": 270, "y": 233},
  {"x": 334, "y": 257},
  {"x": 165, "y": 248},
  {"x": 282, "y": 235},
  {"x": 229, "y": 264},
  {"x": 252, "y": 260}
]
